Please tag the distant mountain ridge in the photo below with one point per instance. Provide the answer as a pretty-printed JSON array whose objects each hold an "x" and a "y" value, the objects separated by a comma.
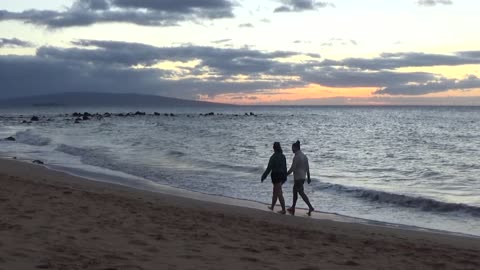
[{"x": 104, "y": 99}]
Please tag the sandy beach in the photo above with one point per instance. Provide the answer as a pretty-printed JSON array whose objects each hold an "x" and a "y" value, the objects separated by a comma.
[{"x": 52, "y": 220}]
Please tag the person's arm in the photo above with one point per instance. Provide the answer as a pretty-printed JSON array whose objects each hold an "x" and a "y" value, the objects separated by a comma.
[
  {"x": 284, "y": 169},
  {"x": 292, "y": 168},
  {"x": 308, "y": 171},
  {"x": 269, "y": 168}
]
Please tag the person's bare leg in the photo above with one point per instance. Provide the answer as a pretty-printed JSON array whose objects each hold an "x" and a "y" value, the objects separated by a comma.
[
  {"x": 282, "y": 202},
  {"x": 279, "y": 193},
  {"x": 291, "y": 210},
  {"x": 307, "y": 201},
  {"x": 274, "y": 197}
]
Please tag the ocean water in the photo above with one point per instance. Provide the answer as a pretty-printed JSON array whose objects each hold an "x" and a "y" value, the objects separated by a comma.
[{"x": 417, "y": 166}]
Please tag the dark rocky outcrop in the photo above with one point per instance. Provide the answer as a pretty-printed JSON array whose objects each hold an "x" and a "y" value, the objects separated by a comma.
[
  {"x": 10, "y": 139},
  {"x": 36, "y": 161},
  {"x": 34, "y": 118}
]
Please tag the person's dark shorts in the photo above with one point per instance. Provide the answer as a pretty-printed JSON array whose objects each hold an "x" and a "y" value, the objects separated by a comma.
[
  {"x": 278, "y": 177},
  {"x": 298, "y": 185}
]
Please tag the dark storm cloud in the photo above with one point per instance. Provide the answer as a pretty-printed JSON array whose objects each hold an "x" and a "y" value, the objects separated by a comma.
[
  {"x": 146, "y": 12},
  {"x": 14, "y": 42},
  {"x": 399, "y": 60},
  {"x": 301, "y": 5},
  {"x": 430, "y": 3},
  {"x": 222, "y": 61},
  {"x": 47, "y": 76},
  {"x": 107, "y": 66},
  {"x": 113, "y": 66}
]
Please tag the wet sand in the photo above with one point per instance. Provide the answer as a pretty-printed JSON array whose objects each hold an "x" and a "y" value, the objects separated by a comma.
[{"x": 52, "y": 220}]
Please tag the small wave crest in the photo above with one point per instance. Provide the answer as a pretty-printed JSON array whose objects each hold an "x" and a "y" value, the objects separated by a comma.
[
  {"x": 197, "y": 163},
  {"x": 176, "y": 153},
  {"x": 30, "y": 138},
  {"x": 98, "y": 156},
  {"x": 424, "y": 204}
]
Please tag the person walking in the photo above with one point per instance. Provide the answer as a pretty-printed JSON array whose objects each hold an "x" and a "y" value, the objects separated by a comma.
[
  {"x": 277, "y": 165},
  {"x": 301, "y": 171}
]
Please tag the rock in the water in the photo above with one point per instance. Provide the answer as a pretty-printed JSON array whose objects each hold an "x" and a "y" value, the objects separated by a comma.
[
  {"x": 10, "y": 139},
  {"x": 85, "y": 117},
  {"x": 156, "y": 114},
  {"x": 140, "y": 113},
  {"x": 37, "y": 161},
  {"x": 34, "y": 118}
]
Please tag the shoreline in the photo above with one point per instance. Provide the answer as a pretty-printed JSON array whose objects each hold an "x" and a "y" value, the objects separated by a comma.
[
  {"x": 162, "y": 189},
  {"x": 53, "y": 220}
]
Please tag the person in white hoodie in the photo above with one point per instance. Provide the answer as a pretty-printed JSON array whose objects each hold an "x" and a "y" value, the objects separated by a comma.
[{"x": 301, "y": 172}]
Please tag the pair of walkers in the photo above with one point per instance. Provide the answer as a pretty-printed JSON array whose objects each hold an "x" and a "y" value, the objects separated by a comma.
[{"x": 277, "y": 165}]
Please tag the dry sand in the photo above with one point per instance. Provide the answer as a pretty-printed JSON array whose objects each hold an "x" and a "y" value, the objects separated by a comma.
[{"x": 51, "y": 220}]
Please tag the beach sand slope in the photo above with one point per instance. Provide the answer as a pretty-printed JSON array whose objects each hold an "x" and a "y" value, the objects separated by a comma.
[{"x": 51, "y": 220}]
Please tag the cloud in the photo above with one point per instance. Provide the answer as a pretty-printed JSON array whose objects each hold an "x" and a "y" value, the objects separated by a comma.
[
  {"x": 439, "y": 85},
  {"x": 123, "y": 67},
  {"x": 301, "y": 5},
  {"x": 219, "y": 41},
  {"x": 342, "y": 78},
  {"x": 14, "y": 42},
  {"x": 338, "y": 42},
  {"x": 430, "y": 3},
  {"x": 245, "y": 25},
  {"x": 390, "y": 61},
  {"x": 146, "y": 12}
]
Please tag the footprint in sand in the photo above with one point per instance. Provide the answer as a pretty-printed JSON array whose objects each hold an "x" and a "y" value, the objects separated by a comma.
[
  {"x": 310, "y": 268},
  {"x": 138, "y": 242},
  {"x": 249, "y": 259},
  {"x": 351, "y": 263},
  {"x": 84, "y": 230},
  {"x": 111, "y": 257},
  {"x": 228, "y": 247},
  {"x": 152, "y": 249},
  {"x": 272, "y": 248},
  {"x": 250, "y": 249}
]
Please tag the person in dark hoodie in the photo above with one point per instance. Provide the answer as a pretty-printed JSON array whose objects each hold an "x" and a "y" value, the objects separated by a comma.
[{"x": 277, "y": 165}]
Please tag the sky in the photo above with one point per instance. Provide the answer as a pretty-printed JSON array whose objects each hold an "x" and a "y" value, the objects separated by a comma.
[{"x": 338, "y": 52}]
